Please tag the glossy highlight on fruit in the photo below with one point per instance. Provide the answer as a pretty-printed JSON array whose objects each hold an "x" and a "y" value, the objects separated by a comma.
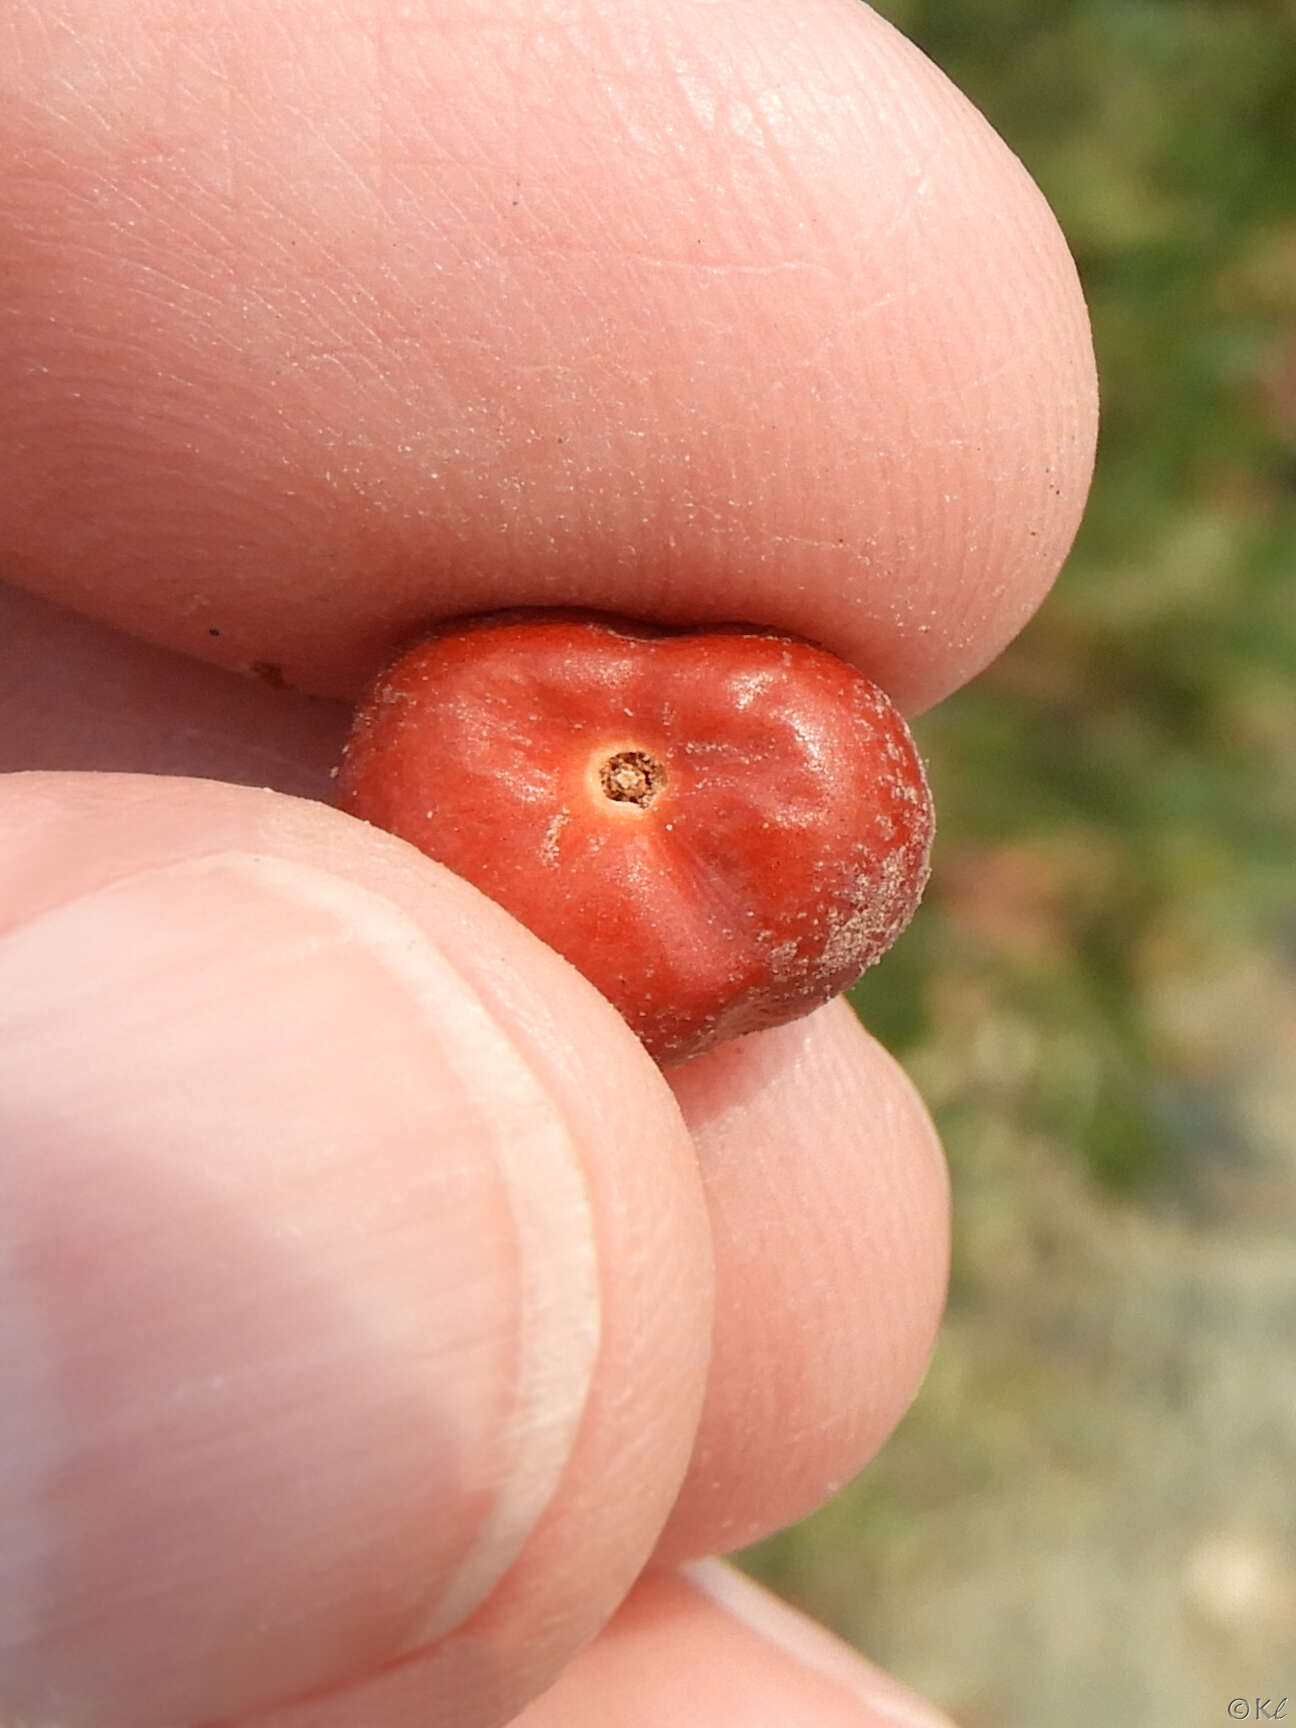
[{"x": 721, "y": 828}]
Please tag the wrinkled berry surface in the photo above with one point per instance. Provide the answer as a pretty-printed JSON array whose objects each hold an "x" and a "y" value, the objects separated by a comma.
[{"x": 720, "y": 828}]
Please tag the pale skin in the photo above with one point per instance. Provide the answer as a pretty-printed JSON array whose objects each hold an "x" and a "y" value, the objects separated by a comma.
[{"x": 371, "y": 1308}]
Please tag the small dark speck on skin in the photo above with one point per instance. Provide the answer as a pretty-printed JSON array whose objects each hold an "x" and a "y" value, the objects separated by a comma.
[{"x": 213, "y": 630}]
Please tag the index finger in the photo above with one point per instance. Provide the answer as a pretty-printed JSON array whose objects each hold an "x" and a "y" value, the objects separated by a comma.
[{"x": 327, "y": 322}]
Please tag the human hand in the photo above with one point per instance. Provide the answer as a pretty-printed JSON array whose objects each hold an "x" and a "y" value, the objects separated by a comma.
[{"x": 371, "y": 1309}]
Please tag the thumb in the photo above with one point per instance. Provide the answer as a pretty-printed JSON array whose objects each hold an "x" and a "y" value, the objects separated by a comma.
[{"x": 347, "y": 1243}]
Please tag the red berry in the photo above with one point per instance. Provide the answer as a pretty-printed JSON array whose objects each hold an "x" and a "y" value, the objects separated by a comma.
[{"x": 721, "y": 829}]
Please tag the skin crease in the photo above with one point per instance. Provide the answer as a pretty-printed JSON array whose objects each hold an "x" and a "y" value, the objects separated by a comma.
[{"x": 322, "y": 322}]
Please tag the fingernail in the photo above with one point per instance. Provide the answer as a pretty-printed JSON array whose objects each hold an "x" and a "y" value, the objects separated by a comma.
[
  {"x": 298, "y": 1293},
  {"x": 808, "y": 1643}
]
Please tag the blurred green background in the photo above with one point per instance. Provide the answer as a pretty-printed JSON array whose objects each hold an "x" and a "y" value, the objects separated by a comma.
[{"x": 1089, "y": 1516}]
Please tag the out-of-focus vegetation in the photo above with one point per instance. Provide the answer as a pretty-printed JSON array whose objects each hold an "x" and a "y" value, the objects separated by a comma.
[{"x": 1089, "y": 1514}]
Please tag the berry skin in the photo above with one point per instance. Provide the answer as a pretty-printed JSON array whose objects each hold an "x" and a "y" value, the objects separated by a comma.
[{"x": 720, "y": 828}]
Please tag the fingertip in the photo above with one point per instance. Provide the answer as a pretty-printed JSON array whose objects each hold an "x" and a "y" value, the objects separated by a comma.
[
  {"x": 783, "y": 1629},
  {"x": 829, "y": 1201},
  {"x": 315, "y": 1258},
  {"x": 706, "y": 1645},
  {"x": 812, "y": 353}
]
